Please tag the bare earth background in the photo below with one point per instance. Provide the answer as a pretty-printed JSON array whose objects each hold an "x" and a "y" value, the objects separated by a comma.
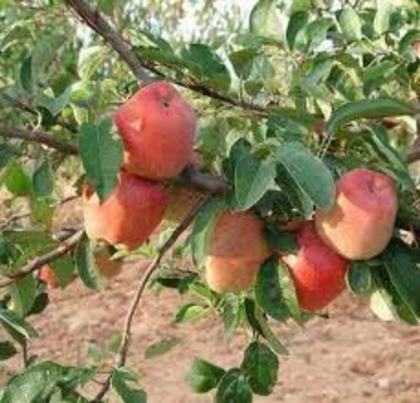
[{"x": 352, "y": 357}]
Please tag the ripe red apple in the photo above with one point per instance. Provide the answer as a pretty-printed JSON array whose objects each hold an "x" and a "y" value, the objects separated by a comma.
[
  {"x": 129, "y": 215},
  {"x": 317, "y": 271},
  {"x": 157, "y": 127},
  {"x": 47, "y": 275},
  {"x": 362, "y": 220},
  {"x": 236, "y": 250}
]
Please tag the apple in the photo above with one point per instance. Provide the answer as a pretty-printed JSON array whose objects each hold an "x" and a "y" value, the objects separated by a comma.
[
  {"x": 361, "y": 222},
  {"x": 47, "y": 275},
  {"x": 318, "y": 272},
  {"x": 108, "y": 267},
  {"x": 129, "y": 215},
  {"x": 157, "y": 127},
  {"x": 235, "y": 252}
]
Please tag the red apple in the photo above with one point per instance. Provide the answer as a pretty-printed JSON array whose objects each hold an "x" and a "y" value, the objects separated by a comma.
[
  {"x": 129, "y": 215},
  {"x": 362, "y": 220},
  {"x": 157, "y": 127},
  {"x": 318, "y": 272},
  {"x": 47, "y": 275}
]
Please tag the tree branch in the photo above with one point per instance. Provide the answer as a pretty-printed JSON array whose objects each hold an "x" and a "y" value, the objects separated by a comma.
[
  {"x": 65, "y": 246},
  {"x": 39, "y": 136},
  {"x": 125, "y": 341},
  {"x": 95, "y": 21}
]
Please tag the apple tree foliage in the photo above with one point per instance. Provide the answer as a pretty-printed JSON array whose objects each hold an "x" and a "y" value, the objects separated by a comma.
[{"x": 304, "y": 91}]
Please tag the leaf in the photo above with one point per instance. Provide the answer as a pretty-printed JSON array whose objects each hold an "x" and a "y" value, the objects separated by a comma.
[
  {"x": 359, "y": 279},
  {"x": 252, "y": 179},
  {"x": 126, "y": 393},
  {"x": 268, "y": 292},
  {"x": 7, "y": 350},
  {"x": 261, "y": 366},
  {"x": 382, "y": 17},
  {"x": 17, "y": 181},
  {"x": 242, "y": 61},
  {"x": 23, "y": 293},
  {"x": 101, "y": 155},
  {"x": 43, "y": 180},
  {"x": 86, "y": 266},
  {"x": 316, "y": 32},
  {"x": 7, "y": 152},
  {"x": 234, "y": 388},
  {"x": 404, "y": 273},
  {"x": 161, "y": 347},
  {"x": 40, "y": 303},
  {"x": 231, "y": 315},
  {"x": 190, "y": 312},
  {"x": 64, "y": 270},
  {"x": 280, "y": 241},
  {"x": 366, "y": 109},
  {"x": 350, "y": 24},
  {"x": 40, "y": 380},
  {"x": 204, "y": 376},
  {"x": 377, "y": 75},
  {"x": 203, "y": 228},
  {"x": 309, "y": 173},
  {"x": 297, "y": 22},
  {"x": 17, "y": 323},
  {"x": 250, "y": 316}
]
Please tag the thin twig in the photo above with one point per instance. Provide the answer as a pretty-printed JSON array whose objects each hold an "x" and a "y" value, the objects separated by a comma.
[
  {"x": 39, "y": 136},
  {"x": 65, "y": 246},
  {"x": 25, "y": 355},
  {"x": 126, "y": 335},
  {"x": 95, "y": 21}
]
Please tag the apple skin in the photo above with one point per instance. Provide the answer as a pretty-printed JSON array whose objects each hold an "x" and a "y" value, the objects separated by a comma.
[
  {"x": 108, "y": 267},
  {"x": 157, "y": 127},
  {"x": 181, "y": 200},
  {"x": 318, "y": 272},
  {"x": 47, "y": 275},
  {"x": 361, "y": 222},
  {"x": 235, "y": 252},
  {"x": 129, "y": 215}
]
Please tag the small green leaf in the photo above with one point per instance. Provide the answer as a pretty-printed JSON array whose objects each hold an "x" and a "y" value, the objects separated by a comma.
[
  {"x": 234, "y": 388},
  {"x": 204, "y": 376},
  {"x": 383, "y": 15},
  {"x": 366, "y": 109},
  {"x": 243, "y": 61},
  {"x": 86, "y": 266},
  {"x": 64, "y": 270},
  {"x": 161, "y": 347},
  {"x": 297, "y": 22},
  {"x": 350, "y": 24},
  {"x": 316, "y": 32},
  {"x": 252, "y": 179},
  {"x": 309, "y": 172},
  {"x": 101, "y": 154},
  {"x": 23, "y": 293},
  {"x": 261, "y": 366},
  {"x": 359, "y": 279},
  {"x": 126, "y": 393},
  {"x": 190, "y": 312},
  {"x": 17, "y": 323},
  {"x": 17, "y": 181},
  {"x": 263, "y": 19},
  {"x": 7, "y": 350},
  {"x": 280, "y": 241},
  {"x": 43, "y": 180},
  {"x": 7, "y": 152}
]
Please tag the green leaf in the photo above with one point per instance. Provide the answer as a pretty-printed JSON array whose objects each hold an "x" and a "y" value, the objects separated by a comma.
[
  {"x": 350, "y": 24},
  {"x": 204, "y": 376},
  {"x": 377, "y": 75},
  {"x": 252, "y": 179},
  {"x": 231, "y": 315},
  {"x": 126, "y": 393},
  {"x": 367, "y": 109},
  {"x": 107, "y": 6},
  {"x": 7, "y": 350},
  {"x": 190, "y": 312},
  {"x": 309, "y": 173},
  {"x": 234, "y": 388},
  {"x": 243, "y": 61},
  {"x": 297, "y": 22},
  {"x": 203, "y": 228},
  {"x": 316, "y": 32},
  {"x": 161, "y": 347},
  {"x": 268, "y": 292},
  {"x": 359, "y": 279},
  {"x": 39, "y": 381},
  {"x": 101, "y": 154},
  {"x": 23, "y": 293},
  {"x": 251, "y": 317},
  {"x": 18, "y": 324},
  {"x": 17, "y": 181},
  {"x": 405, "y": 47},
  {"x": 264, "y": 21},
  {"x": 280, "y": 241},
  {"x": 207, "y": 65},
  {"x": 261, "y": 366},
  {"x": 86, "y": 266},
  {"x": 41, "y": 302},
  {"x": 43, "y": 180},
  {"x": 382, "y": 17},
  {"x": 7, "y": 152},
  {"x": 404, "y": 273},
  {"x": 64, "y": 270}
]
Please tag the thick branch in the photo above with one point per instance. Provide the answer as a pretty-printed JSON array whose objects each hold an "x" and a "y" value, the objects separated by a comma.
[
  {"x": 39, "y": 136},
  {"x": 65, "y": 246},
  {"x": 95, "y": 21},
  {"x": 125, "y": 341}
]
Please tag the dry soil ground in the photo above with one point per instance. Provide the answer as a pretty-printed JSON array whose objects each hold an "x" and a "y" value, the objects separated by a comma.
[{"x": 352, "y": 357}]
